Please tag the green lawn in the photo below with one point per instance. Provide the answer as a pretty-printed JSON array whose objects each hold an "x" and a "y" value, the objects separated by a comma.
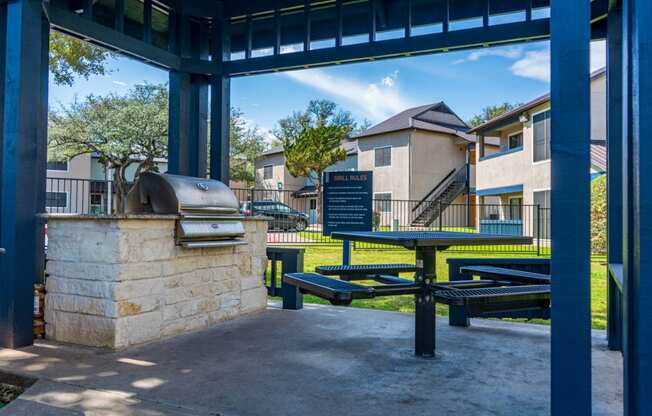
[{"x": 317, "y": 256}]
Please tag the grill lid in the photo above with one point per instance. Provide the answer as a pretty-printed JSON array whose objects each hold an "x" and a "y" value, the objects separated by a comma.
[{"x": 174, "y": 194}]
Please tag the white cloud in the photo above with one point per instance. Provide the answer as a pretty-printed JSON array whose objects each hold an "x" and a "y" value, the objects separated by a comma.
[
  {"x": 509, "y": 53},
  {"x": 376, "y": 101},
  {"x": 120, "y": 83},
  {"x": 390, "y": 80},
  {"x": 536, "y": 64}
]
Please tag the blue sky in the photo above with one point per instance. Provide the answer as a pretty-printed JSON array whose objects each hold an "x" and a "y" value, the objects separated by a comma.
[{"x": 467, "y": 81}]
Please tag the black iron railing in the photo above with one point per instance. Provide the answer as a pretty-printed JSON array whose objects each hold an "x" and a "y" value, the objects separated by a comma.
[{"x": 295, "y": 220}]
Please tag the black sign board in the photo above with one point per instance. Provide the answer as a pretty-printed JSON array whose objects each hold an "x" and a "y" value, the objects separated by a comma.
[{"x": 347, "y": 201}]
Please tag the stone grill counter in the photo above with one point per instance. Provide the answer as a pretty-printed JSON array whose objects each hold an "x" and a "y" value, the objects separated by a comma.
[{"x": 118, "y": 281}]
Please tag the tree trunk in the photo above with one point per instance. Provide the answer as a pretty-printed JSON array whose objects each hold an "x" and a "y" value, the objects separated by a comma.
[{"x": 120, "y": 188}]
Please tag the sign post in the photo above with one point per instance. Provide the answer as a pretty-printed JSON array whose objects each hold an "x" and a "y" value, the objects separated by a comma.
[{"x": 347, "y": 205}]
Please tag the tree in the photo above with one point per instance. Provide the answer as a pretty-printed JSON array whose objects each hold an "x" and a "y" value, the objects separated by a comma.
[
  {"x": 120, "y": 130},
  {"x": 70, "y": 57},
  {"x": 312, "y": 139},
  {"x": 490, "y": 112},
  {"x": 247, "y": 143}
]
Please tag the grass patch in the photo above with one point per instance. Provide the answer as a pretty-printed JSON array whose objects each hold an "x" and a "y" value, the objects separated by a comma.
[{"x": 321, "y": 256}]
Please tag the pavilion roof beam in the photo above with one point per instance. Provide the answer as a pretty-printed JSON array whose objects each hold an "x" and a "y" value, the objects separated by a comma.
[
  {"x": 432, "y": 43},
  {"x": 119, "y": 20},
  {"x": 147, "y": 21},
  {"x": 88, "y": 30}
]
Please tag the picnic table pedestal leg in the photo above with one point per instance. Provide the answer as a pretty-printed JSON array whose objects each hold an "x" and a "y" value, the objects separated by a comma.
[{"x": 425, "y": 322}]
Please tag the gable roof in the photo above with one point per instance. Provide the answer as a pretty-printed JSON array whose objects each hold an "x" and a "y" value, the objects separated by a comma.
[
  {"x": 436, "y": 117},
  {"x": 272, "y": 151},
  {"x": 512, "y": 115},
  {"x": 351, "y": 148}
]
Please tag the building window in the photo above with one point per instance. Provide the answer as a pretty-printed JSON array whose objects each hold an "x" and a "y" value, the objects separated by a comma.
[
  {"x": 542, "y": 214},
  {"x": 541, "y": 124},
  {"x": 383, "y": 202},
  {"x": 516, "y": 208},
  {"x": 383, "y": 156},
  {"x": 515, "y": 141},
  {"x": 60, "y": 165},
  {"x": 268, "y": 172},
  {"x": 56, "y": 199},
  {"x": 542, "y": 199},
  {"x": 97, "y": 204}
]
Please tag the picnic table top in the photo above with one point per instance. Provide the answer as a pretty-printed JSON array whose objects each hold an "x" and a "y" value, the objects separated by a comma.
[{"x": 438, "y": 239}]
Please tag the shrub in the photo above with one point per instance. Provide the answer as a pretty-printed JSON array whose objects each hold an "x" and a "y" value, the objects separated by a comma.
[{"x": 599, "y": 215}]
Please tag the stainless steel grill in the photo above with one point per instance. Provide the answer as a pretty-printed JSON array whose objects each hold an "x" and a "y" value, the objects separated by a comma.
[{"x": 208, "y": 210}]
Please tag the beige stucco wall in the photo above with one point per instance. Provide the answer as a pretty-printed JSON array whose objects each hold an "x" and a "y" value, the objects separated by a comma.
[
  {"x": 599, "y": 109},
  {"x": 78, "y": 192},
  {"x": 519, "y": 168},
  {"x": 280, "y": 174},
  {"x": 394, "y": 179},
  {"x": 420, "y": 160},
  {"x": 118, "y": 282},
  {"x": 433, "y": 156},
  {"x": 79, "y": 167}
]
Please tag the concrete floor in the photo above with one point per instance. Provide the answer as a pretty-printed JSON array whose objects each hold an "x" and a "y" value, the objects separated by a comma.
[{"x": 318, "y": 361}]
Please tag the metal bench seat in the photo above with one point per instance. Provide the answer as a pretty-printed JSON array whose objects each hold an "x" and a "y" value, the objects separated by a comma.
[
  {"x": 382, "y": 273},
  {"x": 489, "y": 300},
  {"x": 365, "y": 269},
  {"x": 510, "y": 275},
  {"x": 340, "y": 292}
]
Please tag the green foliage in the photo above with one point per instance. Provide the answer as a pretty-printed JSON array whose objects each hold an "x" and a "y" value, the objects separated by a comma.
[
  {"x": 311, "y": 139},
  {"x": 70, "y": 57},
  {"x": 120, "y": 130},
  {"x": 490, "y": 112},
  {"x": 247, "y": 143},
  {"x": 599, "y": 215}
]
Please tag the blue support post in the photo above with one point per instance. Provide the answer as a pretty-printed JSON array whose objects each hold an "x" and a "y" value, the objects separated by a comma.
[
  {"x": 188, "y": 120},
  {"x": 570, "y": 154},
  {"x": 346, "y": 252},
  {"x": 220, "y": 131},
  {"x": 220, "y": 107},
  {"x": 638, "y": 262},
  {"x": 615, "y": 172},
  {"x": 23, "y": 75}
]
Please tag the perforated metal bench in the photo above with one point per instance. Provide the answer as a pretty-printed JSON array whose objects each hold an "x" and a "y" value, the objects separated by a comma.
[
  {"x": 340, "y": 292},
  {"x": 488, "y": 301},
  {"x": 459, "y": 316},
  {"x": 504, "y": 274},
  {"x": 382, "y": 273}
]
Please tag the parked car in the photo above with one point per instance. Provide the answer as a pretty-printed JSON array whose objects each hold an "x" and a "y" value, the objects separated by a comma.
[{"x": 284, "y": 217}]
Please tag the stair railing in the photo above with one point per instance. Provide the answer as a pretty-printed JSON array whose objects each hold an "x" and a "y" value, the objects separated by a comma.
[{"x": 455, "y": 175}]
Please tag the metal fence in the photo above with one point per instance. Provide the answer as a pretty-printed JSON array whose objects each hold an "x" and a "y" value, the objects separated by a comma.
[
  {"x": 296, "y": 219},
  {"x": 78, "y": 196}
]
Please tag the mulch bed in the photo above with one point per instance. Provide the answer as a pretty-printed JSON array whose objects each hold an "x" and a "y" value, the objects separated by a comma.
[{"x": 12, "y": 386}]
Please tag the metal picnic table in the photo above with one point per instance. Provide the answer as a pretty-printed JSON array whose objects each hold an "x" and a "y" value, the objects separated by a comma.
[{"x": 426, "y": 244}]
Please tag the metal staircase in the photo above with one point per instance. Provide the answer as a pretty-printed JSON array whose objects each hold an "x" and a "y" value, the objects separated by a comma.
[{"x": 440, "y": 197}]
